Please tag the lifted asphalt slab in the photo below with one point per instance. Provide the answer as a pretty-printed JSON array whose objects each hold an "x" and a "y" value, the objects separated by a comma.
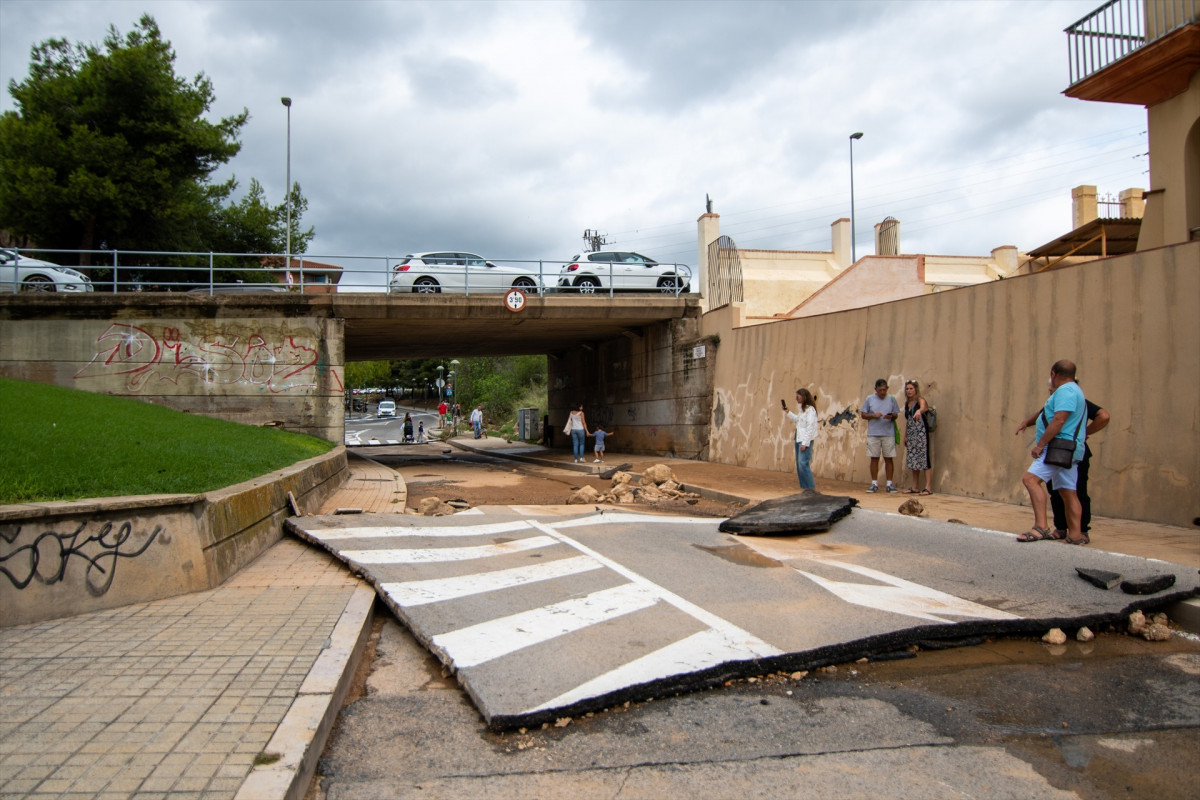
[{"x": 549, "y": 615}]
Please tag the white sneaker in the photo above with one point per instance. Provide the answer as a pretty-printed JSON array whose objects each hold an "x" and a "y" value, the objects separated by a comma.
[{"x": 597, "y": 461}]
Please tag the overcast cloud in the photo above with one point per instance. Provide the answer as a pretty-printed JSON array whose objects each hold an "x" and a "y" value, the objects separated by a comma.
[{"x": 508, "y": 128}]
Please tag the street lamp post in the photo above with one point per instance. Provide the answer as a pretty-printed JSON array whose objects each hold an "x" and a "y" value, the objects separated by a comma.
[
  {"x": 287, "y": 102},
  {"x": 454, "y": 389},
  {"x": 853, "y": 251}
]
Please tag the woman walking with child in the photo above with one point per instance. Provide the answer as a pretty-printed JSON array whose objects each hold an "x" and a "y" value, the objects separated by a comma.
[{"x": 916, "y": 439}]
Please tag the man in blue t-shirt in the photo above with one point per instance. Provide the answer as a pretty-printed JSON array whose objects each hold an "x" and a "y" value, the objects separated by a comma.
[
  {"x": 1063, "y": 417},
  {"x": 880, "y": 411}
]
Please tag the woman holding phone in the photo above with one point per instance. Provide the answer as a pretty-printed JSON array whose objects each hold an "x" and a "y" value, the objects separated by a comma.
[{"x": 805, "y": 420}]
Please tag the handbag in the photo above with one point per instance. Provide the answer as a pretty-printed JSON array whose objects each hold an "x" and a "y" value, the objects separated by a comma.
[{"x": 1059, "y": 452}]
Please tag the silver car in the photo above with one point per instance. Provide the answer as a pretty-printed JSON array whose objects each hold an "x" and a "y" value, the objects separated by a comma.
[
  {"x": 431, "y": 273},
  {"x": 21, "y": 274},
  {"x": 588, "y": 273}
]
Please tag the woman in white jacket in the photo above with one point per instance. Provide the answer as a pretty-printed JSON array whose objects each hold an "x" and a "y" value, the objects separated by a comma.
[{"x": 806, "y": 436}]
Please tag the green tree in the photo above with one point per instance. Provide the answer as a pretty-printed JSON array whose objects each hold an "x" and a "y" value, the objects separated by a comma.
[{"x": 109, "y": 146}]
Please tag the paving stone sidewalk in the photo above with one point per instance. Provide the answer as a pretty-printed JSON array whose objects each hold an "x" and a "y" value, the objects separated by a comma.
[{"x": 174, "y": 699}]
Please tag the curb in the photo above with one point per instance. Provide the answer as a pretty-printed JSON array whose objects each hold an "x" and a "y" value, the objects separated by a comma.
[{"x": 301, "y": 736}]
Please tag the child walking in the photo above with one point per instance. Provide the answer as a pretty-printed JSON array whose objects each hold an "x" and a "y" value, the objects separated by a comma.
[{"x": 600, "y": 435}]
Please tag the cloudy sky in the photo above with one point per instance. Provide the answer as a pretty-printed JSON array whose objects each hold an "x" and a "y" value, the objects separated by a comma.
[{"x": 507, "y": 128}]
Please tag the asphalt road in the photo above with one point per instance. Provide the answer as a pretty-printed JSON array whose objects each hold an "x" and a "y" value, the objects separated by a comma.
[{"x": 1012, "y": 718}]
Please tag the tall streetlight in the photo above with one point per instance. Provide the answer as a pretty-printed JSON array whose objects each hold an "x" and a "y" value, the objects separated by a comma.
[
  {"x": 287, "y": 102},
  {"x": 853, "y": 252}
]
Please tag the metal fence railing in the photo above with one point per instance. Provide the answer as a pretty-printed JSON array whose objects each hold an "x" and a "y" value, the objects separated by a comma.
[
  {"x": 218, "y": 273},
  {"x": 1119, "y": 27}
]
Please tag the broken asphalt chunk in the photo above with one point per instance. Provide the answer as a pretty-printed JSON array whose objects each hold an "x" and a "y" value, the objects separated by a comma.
[
  {"x": 1151, "y": 585},
  {"x": 1101, "y": 578},
  {"x": 809, "y": 512}
]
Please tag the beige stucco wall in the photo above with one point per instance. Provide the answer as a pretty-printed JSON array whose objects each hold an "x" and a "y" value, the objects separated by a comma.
[
  {"x": 983, "y": 354},
  {"x": 874, "y": 279},
  {"x": 1173, "y": 203},
  {"x": 257, "y": 371}
]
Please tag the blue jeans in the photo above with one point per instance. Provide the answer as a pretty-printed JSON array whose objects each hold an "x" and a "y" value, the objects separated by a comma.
[
  {"x": 478, "y": 426},
  {"x": 577, "y": 442},
  {"x": 803, "y": 471}
]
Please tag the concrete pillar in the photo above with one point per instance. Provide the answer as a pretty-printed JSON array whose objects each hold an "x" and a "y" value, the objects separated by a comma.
[
  {"x": 708, "y": 230},
  {"x": 1083, "y": 206},
  {"x": 841, "y": 242},
  {"x": 1133, "y": 204}
]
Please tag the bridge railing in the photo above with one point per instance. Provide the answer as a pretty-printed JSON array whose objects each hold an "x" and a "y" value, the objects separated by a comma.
[{"x": 213, "y": 273}]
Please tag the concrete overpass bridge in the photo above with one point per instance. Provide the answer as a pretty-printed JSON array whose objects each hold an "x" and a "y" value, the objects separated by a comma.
[{"x": 275, "y": 358}]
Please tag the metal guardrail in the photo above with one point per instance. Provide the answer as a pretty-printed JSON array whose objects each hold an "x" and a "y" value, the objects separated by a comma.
[
  {"x": 1118, "y": 28},
  {"x": 216, "y": 273}
]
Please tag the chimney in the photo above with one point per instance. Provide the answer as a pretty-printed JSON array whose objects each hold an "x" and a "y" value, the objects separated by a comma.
[
  {"x": 1083, "y": 206},
  {"x": 841, "y": 242},
  {"x": 887, "y": 237},
  {"x": 1133, "y": 204}
]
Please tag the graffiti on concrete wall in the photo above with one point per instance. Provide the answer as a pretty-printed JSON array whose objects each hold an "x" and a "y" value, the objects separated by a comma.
[
  {"x": 287, "y": 365},
  {"x": 46, "y": 558}
]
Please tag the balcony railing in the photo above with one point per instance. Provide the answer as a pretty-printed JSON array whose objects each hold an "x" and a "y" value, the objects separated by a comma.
[{"x": 1117, "y": 28}]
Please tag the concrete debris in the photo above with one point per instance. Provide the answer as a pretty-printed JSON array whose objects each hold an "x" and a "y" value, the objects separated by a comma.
[
  {"x": 1151, "y": 585},
  {"x": 1098, "y": 577},
  {"x": 912, "y": 508},
  {"x": 659, "y": 473},
  {"x": 1084, "y": 634},
  {"x": 434, "y": 507},
  {"x": 628, "y": 488},
  {"x": 1137, "y": 621},
  {"x": 584, "y": 494},
  {"x": 1055, "y": 636},
  {"x": 458, "y": 505},
  {"x": 1156, "y": 633}
]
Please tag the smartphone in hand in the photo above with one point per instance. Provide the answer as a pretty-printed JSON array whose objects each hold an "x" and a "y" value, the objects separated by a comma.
[{"x": 783, "y": 404}]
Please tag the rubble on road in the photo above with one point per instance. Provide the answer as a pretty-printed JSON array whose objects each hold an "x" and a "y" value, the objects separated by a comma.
[{"x": 655, "y": 485}]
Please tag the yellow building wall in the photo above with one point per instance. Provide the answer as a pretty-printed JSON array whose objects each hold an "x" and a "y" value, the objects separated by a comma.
[{"x": 983, "y": 354}]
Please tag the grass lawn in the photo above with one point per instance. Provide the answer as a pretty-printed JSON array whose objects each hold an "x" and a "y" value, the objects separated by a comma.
[{"x": 64, "y": 444}]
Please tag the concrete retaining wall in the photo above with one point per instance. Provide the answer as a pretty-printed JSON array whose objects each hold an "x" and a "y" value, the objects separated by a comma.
[
  {"x": 982, "y": 355},
  {"x": 64, "y": 558},
  {"x": 281, "y": 366}
]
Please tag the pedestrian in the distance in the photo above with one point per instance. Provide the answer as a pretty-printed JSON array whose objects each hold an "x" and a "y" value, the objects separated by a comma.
[
  {"x": 421, "y": 432},
  {"x": 600, "y": 435},
  {"x": 476, "y": 421},
  {"x": 805, "y": 419},
  {"x": 880, "y": 410},
  {"x": 576, "y": 428},
  {"x": 442, "y": 409},
  {"x": 916, "y": 439},
  {"x": 408, "y": 427}
]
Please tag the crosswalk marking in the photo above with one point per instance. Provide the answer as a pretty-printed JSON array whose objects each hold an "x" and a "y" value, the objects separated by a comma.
[
  {"x": 903, "y": 597},
  {"x": 335, "y": 534},
  {"x": 434, "y": 555},
  {"x": 436, "y": 590},
  {"x": 698, "y": 651},
  {"x": 476, "y": 644}
]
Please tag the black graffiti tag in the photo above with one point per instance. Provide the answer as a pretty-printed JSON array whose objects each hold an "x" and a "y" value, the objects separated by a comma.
[{"x": 46, "y": 558}]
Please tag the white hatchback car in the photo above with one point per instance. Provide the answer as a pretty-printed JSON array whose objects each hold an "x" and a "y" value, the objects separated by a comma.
[
  {"x": 21, "y": 274},
  {"x": 387, "y": 408},
  {"x": 588, "y": 273},
  {"x": 431, "y": 273}
]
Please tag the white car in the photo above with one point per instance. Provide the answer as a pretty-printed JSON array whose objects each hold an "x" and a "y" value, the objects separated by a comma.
[
  {"x": 21, "y": 274},
  {"x": 588, "y": 273},
  {"x": 431, "y": 273},
  {"x": 387, "y": 408}
]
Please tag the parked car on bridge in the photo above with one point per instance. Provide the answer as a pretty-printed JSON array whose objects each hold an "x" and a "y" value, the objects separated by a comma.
[
  {"x": 18, "y": 273},
  {"x": 431, "y": 273},
  {"x": 588, "y": 273}
]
